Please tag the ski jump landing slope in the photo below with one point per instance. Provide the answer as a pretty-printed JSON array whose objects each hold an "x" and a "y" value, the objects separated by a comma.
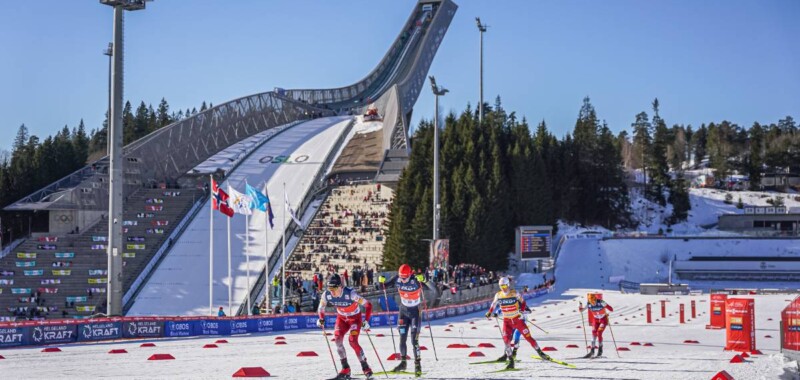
[{"x": 179, "y": 286}]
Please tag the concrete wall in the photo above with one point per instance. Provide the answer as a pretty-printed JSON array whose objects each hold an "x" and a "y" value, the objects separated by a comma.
[{"x": 64, "y": 221}]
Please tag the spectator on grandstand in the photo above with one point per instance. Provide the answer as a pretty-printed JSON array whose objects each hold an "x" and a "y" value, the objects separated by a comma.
[
  {"x": 221, "y": 312},
  {"x": 256, "y": 310}
]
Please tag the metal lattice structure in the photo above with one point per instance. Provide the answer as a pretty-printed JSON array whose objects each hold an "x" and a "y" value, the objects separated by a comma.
[{"x": 172, "y": 151}]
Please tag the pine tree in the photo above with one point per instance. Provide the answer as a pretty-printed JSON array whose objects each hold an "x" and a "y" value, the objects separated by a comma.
[
  {"x": 163, "y": 115},
  {"x": 755, "y": 161}
]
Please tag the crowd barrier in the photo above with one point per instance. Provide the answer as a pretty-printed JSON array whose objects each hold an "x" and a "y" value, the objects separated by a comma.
[{"x": 31, "y": 333}]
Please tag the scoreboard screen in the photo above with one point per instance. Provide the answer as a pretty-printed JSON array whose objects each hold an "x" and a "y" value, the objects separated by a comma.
[{"x": 534, "y": 242}]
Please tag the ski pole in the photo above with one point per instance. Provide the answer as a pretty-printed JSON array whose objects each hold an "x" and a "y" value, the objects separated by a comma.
[
  {"x": 394, "y": 346},
  {"x": 585, "y": 340},
  {"x": 612, "y": 337},
  {"x": 325, "y": 336},
  {"x": 502, "y": 336},
  {"x": 430, "y": 329},
  {"x": 376, "y": 353},
  {"x": 534, "y": 325}
]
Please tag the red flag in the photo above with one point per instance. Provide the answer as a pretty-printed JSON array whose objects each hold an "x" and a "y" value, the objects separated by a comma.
[{"x": 219, "y": 199}]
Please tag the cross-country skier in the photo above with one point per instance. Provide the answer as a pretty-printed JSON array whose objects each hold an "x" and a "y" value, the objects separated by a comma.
[
  {"x": 514, "y": 312},
  {"x": 598, "y": 310},
  {"x": 348, "y": 322},
  {"x": 409, "y": 319},
  {"x": 517, "y": 335}
]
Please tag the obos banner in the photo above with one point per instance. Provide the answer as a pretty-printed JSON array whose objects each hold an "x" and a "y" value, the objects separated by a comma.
[
  {"x": 717, "y": 313},
  {"x": 740, "y": 334}
]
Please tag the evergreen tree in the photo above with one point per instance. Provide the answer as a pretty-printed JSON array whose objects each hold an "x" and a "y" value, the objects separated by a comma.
[
  {"x": 755, "y": 161},
  {"x": 163, "y": 115}
]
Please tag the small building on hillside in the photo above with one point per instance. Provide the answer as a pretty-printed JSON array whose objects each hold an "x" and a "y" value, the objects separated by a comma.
[{"x": 763, "y": 221}]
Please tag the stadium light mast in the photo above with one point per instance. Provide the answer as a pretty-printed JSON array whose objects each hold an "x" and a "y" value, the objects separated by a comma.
[
  {"x": 481, "y": 29},
  {"x": 110, "y": 53},
  {"x": 437, "y": 91},
  {"x": 116, "y": 181}
]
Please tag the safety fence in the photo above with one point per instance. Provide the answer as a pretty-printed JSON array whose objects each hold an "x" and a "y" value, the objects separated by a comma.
[
  {"x": 790, "y": 330},
  {"x": 31, "y": 333}
]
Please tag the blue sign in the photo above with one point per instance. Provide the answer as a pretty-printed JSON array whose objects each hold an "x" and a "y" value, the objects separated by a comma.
[
  {"x": 143, "y": 329},
  {"x": 212, "y": 327},
  {"x": 178, "y": 328},
  {"x": 239, "y": 326},
  {"x": 12, "y": 337},
  {"x": 100, "y": 331},
  {"x": 48, "y": 334}
]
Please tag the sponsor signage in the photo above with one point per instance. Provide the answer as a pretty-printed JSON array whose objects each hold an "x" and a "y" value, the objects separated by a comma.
[
  {"x": 12, "y": 337},
  {"x": 48, "y": 334},
  {"x": 740, "y": 334},
  {"x": 717, "y": 312},
  {"x": 143, "y": 329},
  {"x": 100, "y": 331}
]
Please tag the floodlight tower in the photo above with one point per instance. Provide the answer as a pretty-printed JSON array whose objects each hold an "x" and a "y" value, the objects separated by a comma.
[
  {"x": 437, "y": 91},
  {"x": 116, "y": 179},
  {"x": 481, "y": 29}
]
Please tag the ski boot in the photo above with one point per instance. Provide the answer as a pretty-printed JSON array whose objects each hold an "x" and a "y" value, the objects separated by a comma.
[
  {"x": 417, "y": 368},
  {"x": 542, "y": 354},
  {"x": 400, "y": 367},
  {"x": 510, "y": 364},
  {"x": 367, "y": 371},
  {"x": 344, "y": 374},
  {"x": 599, "y": 351},
  {"x": 590, "y": 354},
  {"x": 502, "y": 358},
  {"x": 514, "y": 354}
]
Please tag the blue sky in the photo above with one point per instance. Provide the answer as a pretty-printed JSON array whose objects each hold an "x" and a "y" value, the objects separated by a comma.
[{"x": 705, "y": 60}]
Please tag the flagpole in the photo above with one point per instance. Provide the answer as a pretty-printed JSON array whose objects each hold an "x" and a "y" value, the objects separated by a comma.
[
  {"x": 230, "y": 278},
  {"x": 247, "y": 258},
  {"x": 283, "y": 254},
  {"x": 266, "y": 255},
  {"x": 211, "y": 248}
]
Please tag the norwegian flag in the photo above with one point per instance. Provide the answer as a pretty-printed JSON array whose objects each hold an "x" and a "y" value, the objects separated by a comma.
[{"x": 219, "y": 199}]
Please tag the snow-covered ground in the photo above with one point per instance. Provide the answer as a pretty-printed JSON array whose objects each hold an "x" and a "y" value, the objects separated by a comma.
[{"x": 668, "y": 358}]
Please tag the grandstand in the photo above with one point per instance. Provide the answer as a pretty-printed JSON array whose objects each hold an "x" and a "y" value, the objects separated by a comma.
[{"x": 347, "y": 233}]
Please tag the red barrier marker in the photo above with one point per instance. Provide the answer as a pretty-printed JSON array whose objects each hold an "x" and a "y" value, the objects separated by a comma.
[
  {"x": 280, "y": 342},
  {"x": 221, "y": 341},
  {"x": 548, "y": 348},
  {"x": 118, "y": 351},
  {"x": 623, "y": 349},
  {"x": 649, "y": 314},
  {"x": 648, "y": 345},
  {"x": 396, "y": 356},
  {"x": 379, "y": 335},
  {"x": 663, "y": 308},
  {"x": 2, "y": 357},
  {"x": 280, "y": 338},
  {"x": 306, "y": 353},
  {"x": 476, "y": 354},
  {"x": 147, "y": 345},
  {"x": 767, "y": 336},
  {"x": 474, "y": 328},
  {"x": 722, "y": 375},
  {"x": 744, "y": 355},
  {"x": 486, "y": 345},
  {"x": 756, "y": 352},
  {"x": 572, "y": 346},
  {"x": 635, "y": 344},
  {"x": 251, "y": 372},
  {"x": 688, "y": 341},
  {"x": 694, "y": 310},
  {"x": 423, "y": 348},
  {"x": 737, "y": 359},
  {"x": 51, "y": 349},
  {"x": 683, "y": 319},
  {"x": 457, "y": 345},
  {"x": 210, "y": 345},
  {"x": 161, "y": 357},
  {"x": 447, "y": 330}
]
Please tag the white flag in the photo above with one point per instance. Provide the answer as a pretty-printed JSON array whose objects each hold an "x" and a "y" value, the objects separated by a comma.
[
  {"x": 290, "y": 211},
  {"x": 240, "y": 203}
]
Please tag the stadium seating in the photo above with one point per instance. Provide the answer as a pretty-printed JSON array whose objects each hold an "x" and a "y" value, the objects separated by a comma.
[{"x": 69, "y": 271}]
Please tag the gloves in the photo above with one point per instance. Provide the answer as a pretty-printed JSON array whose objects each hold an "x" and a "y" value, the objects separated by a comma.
[
  {"x": 526, "y": 312},
  {"x": 489, "y": 315},
  {"x": 381, "y": 279},
  {"x": 365, "y": 325},
  {"x": 421, "y": 277},
  {"x": 320, "y": 323}
]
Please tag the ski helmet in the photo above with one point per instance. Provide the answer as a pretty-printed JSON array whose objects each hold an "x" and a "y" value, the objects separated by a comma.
[
  {"x": 334, "y": 281},
  {"x": 504, "y": 283},
  {"x": 404, "y": 271},
  {"x": 591, "y": 298}
]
